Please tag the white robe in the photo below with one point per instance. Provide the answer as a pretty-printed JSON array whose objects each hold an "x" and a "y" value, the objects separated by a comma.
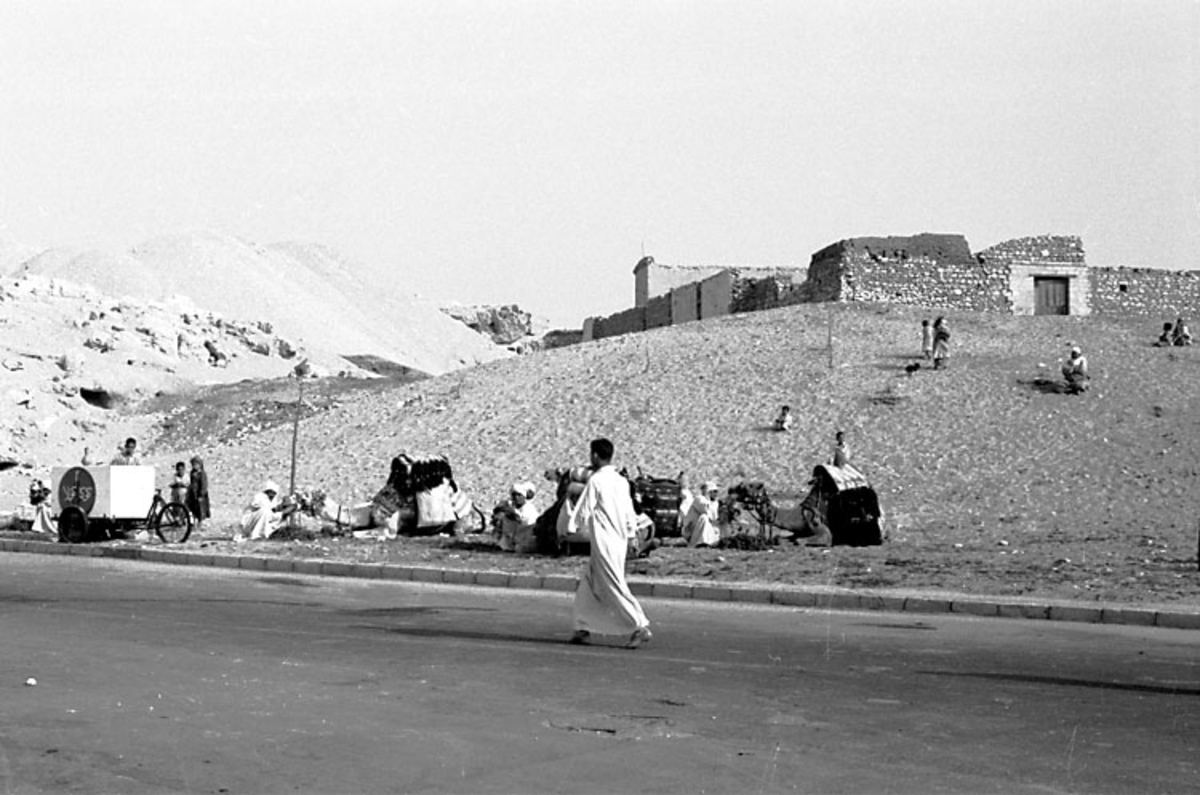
[
  {"x": 260, "y": 519},
  {"x": 700, "y": 523},
  {"x": 603, "y": 602}
]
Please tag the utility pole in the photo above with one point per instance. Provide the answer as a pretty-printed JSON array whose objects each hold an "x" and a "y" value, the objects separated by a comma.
[{"x": 300, "y": 371}]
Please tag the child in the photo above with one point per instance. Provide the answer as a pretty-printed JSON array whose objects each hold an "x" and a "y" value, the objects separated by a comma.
[
  {"x": 926, "y": 339},
  {"x": 784, "y": 421},
  {"x": 179, "y": 483},
  {"x": 197, "y": 493}
]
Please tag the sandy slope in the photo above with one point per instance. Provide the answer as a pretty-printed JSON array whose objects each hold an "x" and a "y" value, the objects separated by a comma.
[
  {"x": 308, "y": 293},
  {"x": 987, "y": 482},
  {"x": 980, "y": 473}
]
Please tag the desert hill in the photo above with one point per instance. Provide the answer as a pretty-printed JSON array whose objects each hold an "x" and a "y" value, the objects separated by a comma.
[
  {"x": 979, "y": 453},
  {"x": 307, "y": 292}
]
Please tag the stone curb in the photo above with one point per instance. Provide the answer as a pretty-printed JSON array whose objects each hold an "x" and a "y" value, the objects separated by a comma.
[{"x": 821, "y": 598}]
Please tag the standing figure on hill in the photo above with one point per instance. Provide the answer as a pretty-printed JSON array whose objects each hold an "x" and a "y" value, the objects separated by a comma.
[
  {"x": 784, "y": 421},
  {"x": 1167, "y": 338},
  {"x": 603, "y": 602},
  {"x": 700, "y": 522},
  {"x": 841, "y": 451},
  {"x": 127, "y": 454},
  {"x": 941, "y": 343},
  {"x": 1181, "y": 335},
  {"x": 926, "y": 339},
  {"x": 197, "y": 493},
  {"x": 88, "y": 459},
  {"x": 179, "y": 484},
  {"x": 1075, "y": 371}
]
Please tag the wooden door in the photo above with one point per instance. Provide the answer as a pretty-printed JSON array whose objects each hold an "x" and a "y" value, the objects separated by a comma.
[{"x": 1050, "y": 296}]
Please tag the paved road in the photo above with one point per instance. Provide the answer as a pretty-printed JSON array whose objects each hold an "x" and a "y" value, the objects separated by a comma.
[{"x": 159, "y": 679}]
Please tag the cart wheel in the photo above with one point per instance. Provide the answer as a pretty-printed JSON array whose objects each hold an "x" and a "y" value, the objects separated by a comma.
[
  {"x": 173, "y": 524},
  {"x": 72, "y": 525}
]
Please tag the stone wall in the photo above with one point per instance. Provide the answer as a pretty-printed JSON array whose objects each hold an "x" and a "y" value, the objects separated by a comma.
[
  {"x": 757, "y": 292},
  {"x": 626, "y": 322},
  {"x": 651, "y": 279},
  {"x": 1027, "y": 258},
  {"x": 658, "y": 311},
  {"x": 716, "y": 295},
  {"x": 927, "y": 269},
  {"x": 1145, "y": 291},
  {"x": 685, "y": 303}
]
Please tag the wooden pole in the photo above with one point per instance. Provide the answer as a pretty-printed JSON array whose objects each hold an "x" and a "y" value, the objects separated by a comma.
[{"x": 296, "y": 430}]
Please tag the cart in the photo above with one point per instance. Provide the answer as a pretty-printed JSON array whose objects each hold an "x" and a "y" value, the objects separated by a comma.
[{"x": 96, "y": 503}]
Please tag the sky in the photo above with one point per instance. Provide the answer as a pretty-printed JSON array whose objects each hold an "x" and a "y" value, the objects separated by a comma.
[{"x": 530, "y": 151}]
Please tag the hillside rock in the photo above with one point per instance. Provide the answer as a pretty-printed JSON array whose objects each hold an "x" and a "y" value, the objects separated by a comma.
[{"x": 504, "y": 325}]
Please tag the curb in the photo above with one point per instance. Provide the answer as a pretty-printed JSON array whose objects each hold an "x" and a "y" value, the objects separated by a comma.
[{"x": 813, "y": 598}]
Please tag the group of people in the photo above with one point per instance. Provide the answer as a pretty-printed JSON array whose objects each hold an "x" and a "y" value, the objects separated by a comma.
[{"x": 1174, "y": 334}]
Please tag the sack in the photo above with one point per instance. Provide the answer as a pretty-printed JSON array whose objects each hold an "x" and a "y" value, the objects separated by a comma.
[
  {"x": 460, "y": 504},
  {"x": 566, "y": 523},
  {"x": 434, "y": 507}
]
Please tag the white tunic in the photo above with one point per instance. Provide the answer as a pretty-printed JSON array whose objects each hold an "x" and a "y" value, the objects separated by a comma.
[
  {"x": 260, "y": 519},
  {"x": 700, "y": 523},
  {"x": 603, "y": 603}
]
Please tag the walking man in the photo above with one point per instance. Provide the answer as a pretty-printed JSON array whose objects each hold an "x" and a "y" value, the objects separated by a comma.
[{"x": 603, "y": 602}]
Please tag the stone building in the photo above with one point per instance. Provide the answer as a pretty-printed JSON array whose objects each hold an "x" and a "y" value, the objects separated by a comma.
[{"x": 1045, "y": 274}]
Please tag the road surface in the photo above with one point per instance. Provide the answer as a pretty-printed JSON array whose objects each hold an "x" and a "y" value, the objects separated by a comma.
[{"x": 159, "y": 679}]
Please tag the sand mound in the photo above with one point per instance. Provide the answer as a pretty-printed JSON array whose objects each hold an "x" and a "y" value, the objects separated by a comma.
[{"x": 308, "y": 293}]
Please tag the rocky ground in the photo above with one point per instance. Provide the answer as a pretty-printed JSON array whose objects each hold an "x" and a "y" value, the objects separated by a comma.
[{"x": 991, "y": 482}]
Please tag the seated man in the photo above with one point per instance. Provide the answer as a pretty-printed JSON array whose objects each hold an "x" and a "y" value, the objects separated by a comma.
[
  {"x": 784, "y": 421},
  {"x": 127, "y": 454},
  {"x": 1075, "y": 371},
  {"x": 514, "y": 519},
  {"x": 264, "y": 515},
  {"x": 1181, "y": 335},
  {"x": 1166, "y": 339},
  {"x": 700, "y": 524}
]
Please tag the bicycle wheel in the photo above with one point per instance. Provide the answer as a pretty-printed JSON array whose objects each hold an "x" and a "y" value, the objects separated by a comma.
[
  {"x": 173, "y": 523},
  {"x": 72, "y": 525}
]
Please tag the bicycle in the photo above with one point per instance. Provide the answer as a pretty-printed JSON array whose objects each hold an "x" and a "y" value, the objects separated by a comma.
[{"x": 172, "y": 521}]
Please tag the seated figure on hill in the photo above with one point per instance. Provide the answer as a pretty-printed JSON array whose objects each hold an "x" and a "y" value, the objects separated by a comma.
[
  {"x": 1181, "y": 335},
  {"x": 1075, "y": 371},
  {"x": 1166, "y": 339},
  {"x": 784, "y": 421}
]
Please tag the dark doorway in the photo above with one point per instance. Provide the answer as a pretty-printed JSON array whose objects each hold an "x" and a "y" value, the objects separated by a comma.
[{"x": 1051, "y": 296}]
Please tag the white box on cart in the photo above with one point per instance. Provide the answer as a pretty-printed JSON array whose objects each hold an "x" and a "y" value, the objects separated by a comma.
[{"x": 112, "y": 492}]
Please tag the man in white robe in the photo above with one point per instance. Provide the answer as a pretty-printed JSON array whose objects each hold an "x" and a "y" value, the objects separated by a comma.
[
  {"x": 700, "y": 522},
  {"x": 263, "y": 516},
  {"x": 603, "y": 602}
]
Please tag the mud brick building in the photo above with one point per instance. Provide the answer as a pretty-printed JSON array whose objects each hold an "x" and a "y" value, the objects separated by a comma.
[{"x": 1045, "y": 274}]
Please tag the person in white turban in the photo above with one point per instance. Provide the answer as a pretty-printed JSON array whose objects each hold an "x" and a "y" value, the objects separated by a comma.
[
  {"x": 700, "y": 522},
  {"x": 514, "y": 519},
  {"x": 263, "y": 515}
]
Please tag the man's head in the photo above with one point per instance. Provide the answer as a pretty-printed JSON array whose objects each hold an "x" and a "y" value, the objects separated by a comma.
[
  {"x": 710, "y": 489},
  {"x": 271, "y": 489},
  {"x": 786, "y": 410},
  {"x": 180, "y": 467},
  {"x": 1076, "y": 352},
  {"x": 840, "y": 436},
  {"x": 521, "y": 493},
  {"x": 602, "y": 452},
  {"x": 130, "y": 446}
]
